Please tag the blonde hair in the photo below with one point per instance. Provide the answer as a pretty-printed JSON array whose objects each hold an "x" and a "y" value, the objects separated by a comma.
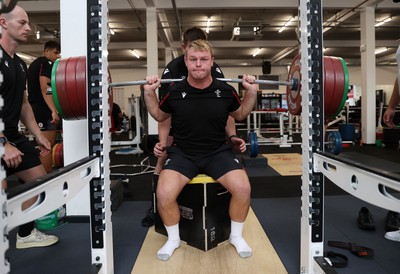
[{"x": 200, "y": 45}]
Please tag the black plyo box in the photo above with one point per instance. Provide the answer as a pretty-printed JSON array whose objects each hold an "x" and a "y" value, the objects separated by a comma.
[
  {"x": 259, "y": 161},
  {"x": 204, "y": 208}
]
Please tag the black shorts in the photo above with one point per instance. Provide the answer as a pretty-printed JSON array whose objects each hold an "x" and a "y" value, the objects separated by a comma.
[
  {"x": 43, "y": 117},
  {"x": 215, "y": 164},
  {"x": 29, "y": 159}
]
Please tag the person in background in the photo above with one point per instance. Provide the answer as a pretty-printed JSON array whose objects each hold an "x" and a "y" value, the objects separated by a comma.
[
  {"x": 392, "y": 218},
  {"x": 20, "y": 157},
  {"x": 199, "y": 107},
  {"x": 176, "y": 69},
  {"x": 365, "y": 219},
  {"x": 40, "y": 97},
  {"x": 117, "y": 117}
]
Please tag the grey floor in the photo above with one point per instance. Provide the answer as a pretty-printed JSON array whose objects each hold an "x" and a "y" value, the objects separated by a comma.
[
  {"x": 276, "y": 202},
  {"x": 72, "y": 253},
  {"x": 279, "y": 217}
]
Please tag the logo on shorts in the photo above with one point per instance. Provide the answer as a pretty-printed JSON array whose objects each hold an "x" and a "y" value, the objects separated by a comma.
[
  {"x": 167, "y": 161},
  {"x": 237, "y": 161},
  {"x": 184, "y": 94},
  {"x": 40, "y": 125}
]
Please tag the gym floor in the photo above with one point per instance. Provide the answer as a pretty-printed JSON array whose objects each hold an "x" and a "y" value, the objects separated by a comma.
[{"x": 275, "y": 201}]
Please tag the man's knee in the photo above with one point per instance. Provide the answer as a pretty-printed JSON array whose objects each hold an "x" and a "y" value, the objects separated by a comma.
[{"x": 243, "y": 188}]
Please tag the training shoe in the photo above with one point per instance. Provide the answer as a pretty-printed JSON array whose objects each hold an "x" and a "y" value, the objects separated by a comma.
[
  {"x": 393, "y": 235},
  {"x": 149, "y": 219},
  {"x": 365, "y": 220},
  {"x": 392, "y": 221},
  {"x": 35, "y": 239}
]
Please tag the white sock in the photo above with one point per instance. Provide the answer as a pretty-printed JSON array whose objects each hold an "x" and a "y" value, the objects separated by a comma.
[
  {"x": 236, "y": 239},
  {"x": 172, "y": 243}
]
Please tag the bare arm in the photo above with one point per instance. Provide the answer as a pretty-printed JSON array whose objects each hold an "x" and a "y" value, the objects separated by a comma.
[
  {"x": 151, "y": 99},
  {"x": 164, "y": 128},
  {"x": 236, "y": 141},
  {"x": 393, "y": 103},
  {"x": 163, "y": 133},
  {"x": 44, "y": 81},
  {"x": 249, "y": 99},
  {"x": 28, "y": 119},
  {"x": 230, "y": 128}
]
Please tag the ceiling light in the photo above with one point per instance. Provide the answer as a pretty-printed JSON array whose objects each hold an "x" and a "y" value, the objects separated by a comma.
[
  {"x": 256, "y": 52},
  {"x": 134, "y": 52},
  {"x": 27, "y": 57},
  {"x": 286, "y": 24},
  {"x": 38, "y": 35},
  {"x": 112, "y": 31},
  {"x": 383, "y": 21},
  {"x": 208, "y": 25},
  {"x": 380, "y": 50},
  {"x": 175, "y": 53}
]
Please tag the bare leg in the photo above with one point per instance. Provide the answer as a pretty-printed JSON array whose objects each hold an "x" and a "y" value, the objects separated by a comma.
[
  {"x": 169, "y": 186},
  {"x": 28, "y": 176},
  {"x": 237, "y": 183},
  {"x": 46, "y": 160}
]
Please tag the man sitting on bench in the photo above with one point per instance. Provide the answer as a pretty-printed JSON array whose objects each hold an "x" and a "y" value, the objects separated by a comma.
[{"x": 199, "y": 107}]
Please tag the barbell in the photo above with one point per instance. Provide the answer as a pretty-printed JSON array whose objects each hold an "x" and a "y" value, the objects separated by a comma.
[
  {"x": 293, "y": 83},
  {"x": 333, "y": 144},
  {"x": 68, "y": 82}
]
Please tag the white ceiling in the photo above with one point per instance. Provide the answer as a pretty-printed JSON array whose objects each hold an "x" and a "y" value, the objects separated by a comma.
[{"x": 128, "y": 19}]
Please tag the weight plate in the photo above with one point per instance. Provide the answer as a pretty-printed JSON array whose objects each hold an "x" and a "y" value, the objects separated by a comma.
[
  {"x": 329, "y": 86},
  {"x": 60, "y": 153},
  {"x": 61, "y": 89},
  {"x": 80, "y": 79},
  {"x": 334, "y": 142},
  {"x": 57, "y": 156},
  {"x": 339, "y": 86},
  {"x": 294, "y": 96},
  {"x": 70, "y": 86},
  {"x": 54, "y": 88},
  {"x": 253, "y": 140},
  {"x": 110, "y": 95},
  {"x": 53, "y": 155},
  {"x": 346, "y": 83}
]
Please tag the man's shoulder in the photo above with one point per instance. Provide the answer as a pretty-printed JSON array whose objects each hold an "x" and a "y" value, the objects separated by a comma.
[
  {"x": 222, "y": 85},
  {"x": 216, "y": 71},
  {"x": 38, "y": 61},
  {"x": 176, "y": 68}
]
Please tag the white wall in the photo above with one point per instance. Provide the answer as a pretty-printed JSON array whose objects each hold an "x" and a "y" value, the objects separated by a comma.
[{"x": 384, "y": 79}]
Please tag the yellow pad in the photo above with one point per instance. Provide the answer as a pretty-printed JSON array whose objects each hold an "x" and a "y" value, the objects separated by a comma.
[
  {"x": 222, "y": 259},
  {"x": 286, "y": 164}
]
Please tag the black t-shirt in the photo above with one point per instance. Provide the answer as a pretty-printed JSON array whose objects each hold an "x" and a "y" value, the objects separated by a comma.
[
  {"x": 199, "y": 115},
  {"x": 40, "y": 67},
  {"x": 12, "y": 90},
  {"x": 176, "y": 69}
]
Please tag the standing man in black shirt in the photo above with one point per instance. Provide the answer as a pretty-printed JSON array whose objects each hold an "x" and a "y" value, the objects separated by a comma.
[
  {"x": 39, "y": 82},
  {"x": 199, "y": 107},
  {"x": 20, "y": 157}
]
